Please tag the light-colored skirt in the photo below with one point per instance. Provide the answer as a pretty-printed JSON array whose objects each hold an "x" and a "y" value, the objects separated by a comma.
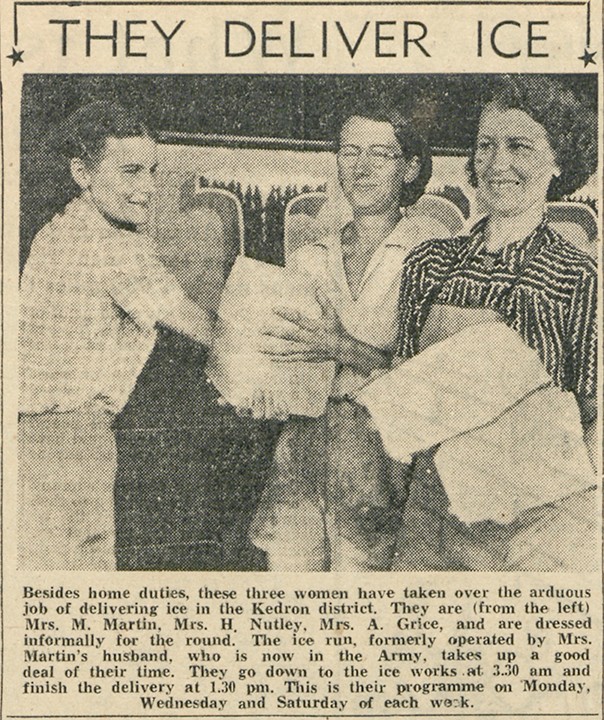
[{"x": 67, "y": 468}]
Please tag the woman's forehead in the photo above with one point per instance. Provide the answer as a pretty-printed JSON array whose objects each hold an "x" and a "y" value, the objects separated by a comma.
[
  {"x": 358, "y": 130},
  {"x": 130, "y": 150},
  {"x": 500, "y": 121}
]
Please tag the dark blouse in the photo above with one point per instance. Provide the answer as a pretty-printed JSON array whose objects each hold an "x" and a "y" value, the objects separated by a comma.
[{"x": 543, "y": 287}]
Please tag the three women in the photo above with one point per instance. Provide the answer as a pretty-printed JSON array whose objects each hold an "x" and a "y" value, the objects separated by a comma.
[{"x": 335, "y": 500}]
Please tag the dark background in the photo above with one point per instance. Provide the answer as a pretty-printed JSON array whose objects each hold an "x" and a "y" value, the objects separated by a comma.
[
  {"x": 190, "y": 472},
  {"x": 445, "y": 107}
]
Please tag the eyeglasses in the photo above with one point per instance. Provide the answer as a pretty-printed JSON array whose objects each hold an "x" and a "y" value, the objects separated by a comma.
[{"x": 378, "y": 155}]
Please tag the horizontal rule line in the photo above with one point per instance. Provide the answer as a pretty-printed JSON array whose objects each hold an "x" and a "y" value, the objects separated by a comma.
[
  {"x": 303, "y": 3},
  {"x": 265, "y": 715}
]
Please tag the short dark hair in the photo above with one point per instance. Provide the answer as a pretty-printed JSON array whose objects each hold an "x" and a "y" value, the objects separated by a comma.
[
  {"x": 84, "y": 133},
  {"x": 412, "y": 145},
  {"x": 570, "y": 125}
]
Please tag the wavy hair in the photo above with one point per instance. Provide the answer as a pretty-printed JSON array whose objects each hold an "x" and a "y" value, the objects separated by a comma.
[
  {"x": 570, "y": 125},
  {"x": 84, "y": 133}
]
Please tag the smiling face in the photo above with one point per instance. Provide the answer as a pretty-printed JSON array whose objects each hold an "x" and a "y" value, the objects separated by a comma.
[
  {"x": 121, "y": 183},
  {"x": 370, "y": 169},
  {"x": 513, "y": 161}
]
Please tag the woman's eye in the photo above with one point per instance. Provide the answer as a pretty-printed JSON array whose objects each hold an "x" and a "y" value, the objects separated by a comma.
[
  {"x": 519, "y": 146},
  {"x": 484, "y": 145}
]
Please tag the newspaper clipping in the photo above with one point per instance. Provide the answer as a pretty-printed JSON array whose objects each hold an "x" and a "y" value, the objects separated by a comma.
[{"x": 281, "y": 282}]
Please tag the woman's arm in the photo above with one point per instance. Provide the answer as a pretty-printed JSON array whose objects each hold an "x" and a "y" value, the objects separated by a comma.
[
  {"x": 190, "y": 319},
  {"x": 309, "y": 340},
  {"x": 361, "y": 356},
  {"x": 588, "y": 407},
  {"x": 140, "y": 284},
  {"x": 583, "y": 352}
]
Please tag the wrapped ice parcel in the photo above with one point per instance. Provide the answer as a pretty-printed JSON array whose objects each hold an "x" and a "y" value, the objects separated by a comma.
[{"x": 237, "y": 367}]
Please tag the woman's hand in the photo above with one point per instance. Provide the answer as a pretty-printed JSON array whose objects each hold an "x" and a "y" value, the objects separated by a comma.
[{"x": 305, "y": 339}]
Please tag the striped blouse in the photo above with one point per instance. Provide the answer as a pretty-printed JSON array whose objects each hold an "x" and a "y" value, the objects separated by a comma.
[{"x": 542, "y": 287}]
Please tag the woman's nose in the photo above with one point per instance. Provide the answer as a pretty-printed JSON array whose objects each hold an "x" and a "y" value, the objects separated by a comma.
[
  {"x": 500, "y": 158},
  {"x": 147, "y": 183},
  {"x": 362, "y": 164}
]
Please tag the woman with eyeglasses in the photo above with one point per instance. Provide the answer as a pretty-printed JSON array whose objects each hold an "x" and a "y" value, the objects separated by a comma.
[{"x": 333, "y": 496}]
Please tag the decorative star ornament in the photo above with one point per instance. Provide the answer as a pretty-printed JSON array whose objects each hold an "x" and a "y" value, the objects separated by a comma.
[
  {"x": 16, "y": 56},
  {"x": 587, "y": 57}
]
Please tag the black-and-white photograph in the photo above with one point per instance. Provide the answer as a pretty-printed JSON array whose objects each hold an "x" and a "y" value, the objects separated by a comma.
[{"x": 308, "y": 323}]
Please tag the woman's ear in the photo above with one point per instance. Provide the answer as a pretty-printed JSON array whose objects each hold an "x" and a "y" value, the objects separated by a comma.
[
  {"x": 412, "y": 168},
  {"x": 80, "y": 173}
]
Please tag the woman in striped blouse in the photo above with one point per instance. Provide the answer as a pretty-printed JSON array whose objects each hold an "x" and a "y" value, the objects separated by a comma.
[{"x": 535, "y": 143}]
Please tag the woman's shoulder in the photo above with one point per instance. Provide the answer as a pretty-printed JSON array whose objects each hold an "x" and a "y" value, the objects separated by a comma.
[
  {"x": 83, "y": 222},
  {"x": 566, "y": 257},
  {"x": 58, "y": 235},
  {"x": 436, "y": 250},
  {"x": 97, "y": 241}
]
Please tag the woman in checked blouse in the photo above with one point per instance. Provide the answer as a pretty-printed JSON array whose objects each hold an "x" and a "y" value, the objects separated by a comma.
[
  {"x": 92, "y": 293},
  {"x": 535, "y": 142}
]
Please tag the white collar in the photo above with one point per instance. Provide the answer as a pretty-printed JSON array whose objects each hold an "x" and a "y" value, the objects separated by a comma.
[{"x": 398, "y": 237}]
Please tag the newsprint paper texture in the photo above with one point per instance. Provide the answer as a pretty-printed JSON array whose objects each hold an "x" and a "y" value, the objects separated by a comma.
[{"x": 301, "y": 359}]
